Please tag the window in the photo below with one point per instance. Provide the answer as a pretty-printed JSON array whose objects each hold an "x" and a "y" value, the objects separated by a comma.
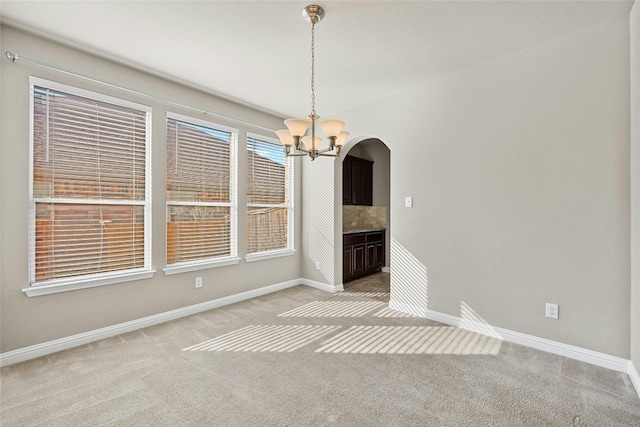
[
  {"x": 90, "y": 188},
  {"x": 201, "y": 188},
  {"x": 269, "y": 197}
]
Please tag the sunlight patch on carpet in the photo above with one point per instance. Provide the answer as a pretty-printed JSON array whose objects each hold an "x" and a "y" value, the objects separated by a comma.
[
  {"x": 334, "y": 309},
  {"x": 265, "y": 338},
  {"x": 387, "y": 312},
  {"x": 410, "y": 340},
  {"x": 362, "y": 294}
]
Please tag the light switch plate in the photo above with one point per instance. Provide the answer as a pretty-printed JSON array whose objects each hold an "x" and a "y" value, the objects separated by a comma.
[{"x": 408, "y": 202}]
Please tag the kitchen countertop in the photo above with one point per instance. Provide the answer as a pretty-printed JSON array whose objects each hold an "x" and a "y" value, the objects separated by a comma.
[{"x": 362, "y": 230}]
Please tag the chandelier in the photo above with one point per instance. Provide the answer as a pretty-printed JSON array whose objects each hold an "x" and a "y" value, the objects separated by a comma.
[{"x": 295, "y": 142}]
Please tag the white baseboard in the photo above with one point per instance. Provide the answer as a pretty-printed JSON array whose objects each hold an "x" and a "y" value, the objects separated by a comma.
[
  {"x": 635, "y": 377},
  {"x": 570, "y": 351},
  {"x": 322, "y": 286},
  {"x": 49, "y": 347}
]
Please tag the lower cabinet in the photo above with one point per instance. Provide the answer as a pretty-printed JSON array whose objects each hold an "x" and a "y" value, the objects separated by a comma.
[{"x": 363, "y": 254}]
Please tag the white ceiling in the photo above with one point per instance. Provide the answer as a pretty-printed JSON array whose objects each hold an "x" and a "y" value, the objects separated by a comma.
[{"x": 258, "y": 52}]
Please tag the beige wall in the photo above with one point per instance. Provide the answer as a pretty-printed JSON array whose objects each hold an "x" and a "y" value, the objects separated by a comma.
[
  {"x": 319, "y": 223},
  {"x": 519, "y": 170},
  {"x": 26, "y": 321},
  {"x": 635, "y": 186}
]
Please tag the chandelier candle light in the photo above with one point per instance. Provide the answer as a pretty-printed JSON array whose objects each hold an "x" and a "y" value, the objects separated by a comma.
[{"x": 293, "y": 136}]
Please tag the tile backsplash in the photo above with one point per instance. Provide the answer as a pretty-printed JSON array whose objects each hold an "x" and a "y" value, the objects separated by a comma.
[{"x": 363, "y": 217}]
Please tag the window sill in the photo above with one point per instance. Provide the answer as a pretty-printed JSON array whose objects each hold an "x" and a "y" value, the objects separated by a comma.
[
  {"x": 259, "y": 256},
  {"x": 72, "y": 285},
  {"x": 186, "y": 267}
]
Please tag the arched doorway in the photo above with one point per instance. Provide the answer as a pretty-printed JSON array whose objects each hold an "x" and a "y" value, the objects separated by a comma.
[{"x": 366, "y": 213}]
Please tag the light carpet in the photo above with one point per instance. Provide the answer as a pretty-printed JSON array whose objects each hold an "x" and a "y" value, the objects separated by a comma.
[{"x": 303, "y": 357}]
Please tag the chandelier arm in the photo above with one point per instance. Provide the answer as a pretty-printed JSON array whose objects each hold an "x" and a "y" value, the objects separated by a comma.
[
  {"x": 326, "y": 153},
  {"x": 324, "y": 150},
  {"x": 303, "y": 150}
]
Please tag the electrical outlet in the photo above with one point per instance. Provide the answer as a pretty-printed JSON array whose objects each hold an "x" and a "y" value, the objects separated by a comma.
[
  {"x": 198, "y": 282},
  {"x": 552, "y": 310},
  {"x": 317, "y": 265}
]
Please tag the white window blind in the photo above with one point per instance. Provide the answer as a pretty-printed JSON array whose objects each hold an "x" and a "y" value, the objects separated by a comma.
[
  {"x": 201, "y": 185},
  {"x": 90, "y": 185},
  {"x": 269, "y": 196}
]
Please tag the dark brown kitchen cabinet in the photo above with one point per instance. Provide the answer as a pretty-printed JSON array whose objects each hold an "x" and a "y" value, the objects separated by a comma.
[
  {"x": 363, "y": 254},
  {"x": 357, "y": 181},
  {"x": 347, "y": 263},
  {"x": 375, "y": 251},
  {"x": 346, "y": 181}
]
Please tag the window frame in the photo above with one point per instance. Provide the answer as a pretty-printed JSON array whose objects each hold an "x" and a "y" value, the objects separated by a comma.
[
  {"x": 232, "y": 258},
  {"x": 65, "y": 284},
  {"x": 290, "y": 205}
]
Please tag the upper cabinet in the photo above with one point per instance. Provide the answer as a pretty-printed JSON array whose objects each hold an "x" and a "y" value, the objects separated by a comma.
[{"x": 357, "y": 181}]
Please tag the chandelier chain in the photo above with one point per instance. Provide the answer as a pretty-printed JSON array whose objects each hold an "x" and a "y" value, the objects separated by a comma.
[{"x": 313, "y": 69}]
